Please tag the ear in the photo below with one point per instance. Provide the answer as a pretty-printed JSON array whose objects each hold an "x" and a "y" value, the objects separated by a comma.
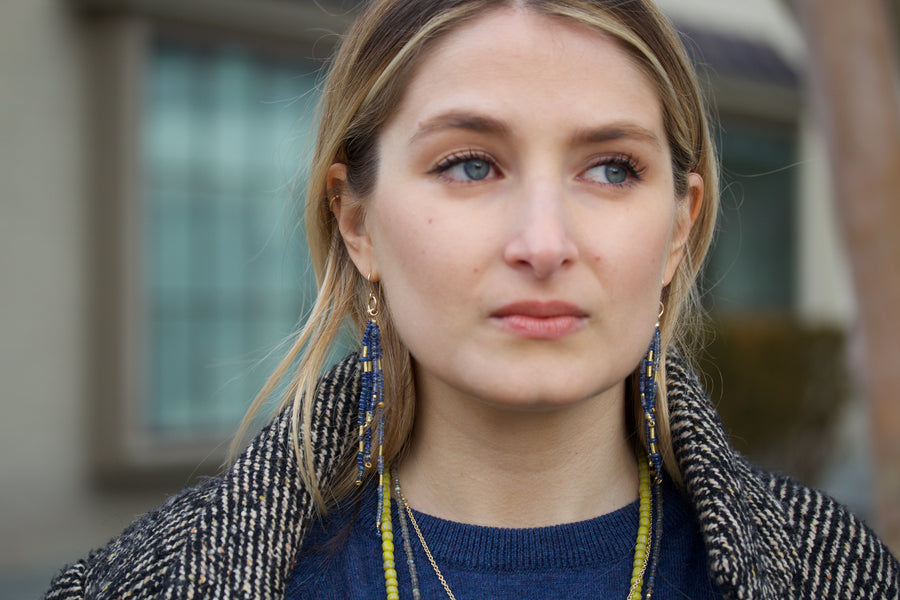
[
  {"x": 350, "y": 216},
  {"x": 686, "y": 213}
]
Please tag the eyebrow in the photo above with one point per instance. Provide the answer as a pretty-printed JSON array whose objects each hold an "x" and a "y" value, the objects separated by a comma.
[
  {"x": 461, "y": 120},
  {"x": 489, "y": 125},
  {"x": 615, "y": 131}
]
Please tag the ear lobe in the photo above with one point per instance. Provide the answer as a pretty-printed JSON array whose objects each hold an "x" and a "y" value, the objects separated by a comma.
[
  {"x": 686, "y": 214},
  {"x": 350, "y": 216}
]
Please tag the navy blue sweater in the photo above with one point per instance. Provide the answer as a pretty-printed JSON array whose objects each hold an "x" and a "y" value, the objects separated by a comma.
[{"x": 341, "y": 557}]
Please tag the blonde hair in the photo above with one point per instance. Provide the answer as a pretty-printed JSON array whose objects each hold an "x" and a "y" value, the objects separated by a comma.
[{"x": 365, "y": 84}]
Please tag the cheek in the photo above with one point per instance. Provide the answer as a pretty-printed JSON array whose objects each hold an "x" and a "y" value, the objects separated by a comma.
[
  {"x": 633, "y": 249},
  {"x": 420, "y": 257},
  {"x": 400, "y": 248}
]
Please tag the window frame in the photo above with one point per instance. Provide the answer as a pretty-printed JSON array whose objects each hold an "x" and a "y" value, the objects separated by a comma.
[
  {"x": 123, "y": 454},
  {"x": 769, "y": 95}
]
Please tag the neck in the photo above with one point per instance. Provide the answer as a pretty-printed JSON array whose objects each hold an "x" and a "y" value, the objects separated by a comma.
[{"x": 476, "y": 463}]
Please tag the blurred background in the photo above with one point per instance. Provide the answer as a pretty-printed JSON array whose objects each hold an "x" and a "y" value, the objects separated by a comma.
[{"x": 153, "y": 257}]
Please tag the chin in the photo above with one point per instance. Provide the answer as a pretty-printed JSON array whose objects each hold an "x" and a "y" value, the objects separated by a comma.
[{"x": 533, "y": 397}]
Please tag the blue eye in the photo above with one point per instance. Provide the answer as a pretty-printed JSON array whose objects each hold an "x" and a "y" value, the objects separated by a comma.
[
  {"x": 613, "y": 173},
  {"x": 476, "y": 169},
  {"x": 616, "y": 170},
  {"x": 616, "y": 174},
  {"x": 466, "y": 167}
]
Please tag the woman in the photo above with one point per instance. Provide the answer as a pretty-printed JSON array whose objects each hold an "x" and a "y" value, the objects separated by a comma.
[{"x": 512, "y": 199}]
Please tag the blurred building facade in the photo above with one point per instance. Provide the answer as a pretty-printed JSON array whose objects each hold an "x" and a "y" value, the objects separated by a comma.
[{"x": 152, "y": 257}]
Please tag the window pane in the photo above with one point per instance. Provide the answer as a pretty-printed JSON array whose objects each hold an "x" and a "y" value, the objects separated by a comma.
[
  {"x": 225, "y": 262},
  {"x": 752, "y": 264}
]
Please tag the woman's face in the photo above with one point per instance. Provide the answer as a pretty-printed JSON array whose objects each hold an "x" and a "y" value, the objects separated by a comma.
[{"x": 523, "y": 222}]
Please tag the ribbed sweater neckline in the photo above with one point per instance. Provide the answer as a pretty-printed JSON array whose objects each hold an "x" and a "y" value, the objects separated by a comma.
[{"x": 604, "y": 539}]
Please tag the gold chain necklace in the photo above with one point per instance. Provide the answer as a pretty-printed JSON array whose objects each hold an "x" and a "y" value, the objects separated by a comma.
[
  {"x": 641, "y": 551},
  {"x": 437, "y": 570}
]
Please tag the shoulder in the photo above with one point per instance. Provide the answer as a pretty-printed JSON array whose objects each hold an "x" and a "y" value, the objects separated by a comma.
[
  {"x": 766, "y": 535},
  {"x": 839, "y": 556},
  {"x": 234, "y": 535},
  {"x": 145, "y": 554}
]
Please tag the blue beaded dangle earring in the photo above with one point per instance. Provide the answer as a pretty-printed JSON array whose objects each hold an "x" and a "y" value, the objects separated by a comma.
[
  {"x": 649, "y": 388},
  {"x": 649, "y": 373},
  {"x": 371, "y": 402}
]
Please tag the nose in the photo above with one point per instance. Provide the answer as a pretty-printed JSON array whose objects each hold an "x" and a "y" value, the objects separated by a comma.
[{"x": 541, "y": 240}]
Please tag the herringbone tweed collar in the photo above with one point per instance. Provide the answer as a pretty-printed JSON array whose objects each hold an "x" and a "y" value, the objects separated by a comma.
[{"x": 749, "y": 539}]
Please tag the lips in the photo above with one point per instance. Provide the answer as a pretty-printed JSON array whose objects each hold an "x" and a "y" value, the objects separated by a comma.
[{"x": 540, "y": 320}]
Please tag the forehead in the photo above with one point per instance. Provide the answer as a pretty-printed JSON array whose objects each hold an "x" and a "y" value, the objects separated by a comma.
[{"x": 515, "y": 58}]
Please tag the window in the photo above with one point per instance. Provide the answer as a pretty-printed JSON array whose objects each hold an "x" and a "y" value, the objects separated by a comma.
[
  {"x": 224, "y": 258},
  {"x": 202, "y": 116},
  {"x": 752, "y": 265}
]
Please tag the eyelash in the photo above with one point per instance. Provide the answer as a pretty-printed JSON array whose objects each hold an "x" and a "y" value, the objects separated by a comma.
[
  {"x": 457, "y": 158},
  {"x": 626, "y": 161}
]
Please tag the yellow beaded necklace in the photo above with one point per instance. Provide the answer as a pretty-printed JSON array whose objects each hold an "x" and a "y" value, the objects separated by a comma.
[{"x": 641, "y": 550}]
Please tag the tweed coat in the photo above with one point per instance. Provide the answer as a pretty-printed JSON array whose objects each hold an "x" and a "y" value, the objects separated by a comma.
[{"x": 236, "y": 536}]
